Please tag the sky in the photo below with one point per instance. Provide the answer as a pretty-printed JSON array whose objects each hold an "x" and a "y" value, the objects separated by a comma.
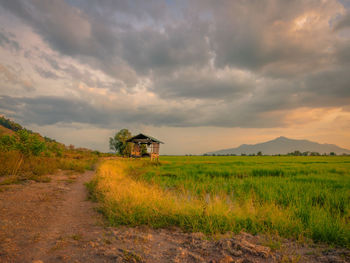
[{"x": 199, "y": 75}]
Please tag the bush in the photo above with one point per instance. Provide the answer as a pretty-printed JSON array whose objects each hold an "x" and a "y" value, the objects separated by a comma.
[
  {"x": 7, "y": 143},
  {"x": 29, "y": 143}
]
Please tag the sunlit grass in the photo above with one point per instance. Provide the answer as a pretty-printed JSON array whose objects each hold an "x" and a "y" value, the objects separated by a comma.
[
  {"x": 294, "y": 197},
  {"x": 16, "y": 166}
]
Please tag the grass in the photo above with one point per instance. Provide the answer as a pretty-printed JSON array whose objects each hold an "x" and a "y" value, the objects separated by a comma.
[
  {"x": 14, "y": 167},
  {"x": 295, "y": 197},
  {"x": 25, "y": 155}
]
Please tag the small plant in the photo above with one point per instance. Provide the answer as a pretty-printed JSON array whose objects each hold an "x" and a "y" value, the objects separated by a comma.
[
  {"x": 130, "y": 256},
  {"x": 77, "y": 237}
]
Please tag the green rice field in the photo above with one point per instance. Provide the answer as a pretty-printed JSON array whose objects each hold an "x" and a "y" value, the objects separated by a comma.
[{"x": 289, "y": 196}]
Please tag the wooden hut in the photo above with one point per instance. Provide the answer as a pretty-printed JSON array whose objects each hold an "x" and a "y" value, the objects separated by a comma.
[{"x": 149, "y": 141}]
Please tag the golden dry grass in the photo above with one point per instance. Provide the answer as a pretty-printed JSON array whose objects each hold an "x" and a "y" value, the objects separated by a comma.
[{"x": 128, "y": 200}]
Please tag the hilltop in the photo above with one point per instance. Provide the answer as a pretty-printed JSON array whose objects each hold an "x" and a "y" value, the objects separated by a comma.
[
  {"x": 9, "y": 128},
  {"x": 282, "y": 145}
]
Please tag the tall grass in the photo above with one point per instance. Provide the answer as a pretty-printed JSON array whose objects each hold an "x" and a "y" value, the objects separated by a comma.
[
  {"x": 13, "y": 163},
  {"x": 291, "y": 196}
]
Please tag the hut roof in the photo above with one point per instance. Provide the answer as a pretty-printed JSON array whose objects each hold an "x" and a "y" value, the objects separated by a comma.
[{"x": 142, "y": 138}]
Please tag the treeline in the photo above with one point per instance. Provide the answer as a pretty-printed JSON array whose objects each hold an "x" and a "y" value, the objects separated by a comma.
[
  {"x": 294, "y": 153},
  {"x": 308, "y": 153}
]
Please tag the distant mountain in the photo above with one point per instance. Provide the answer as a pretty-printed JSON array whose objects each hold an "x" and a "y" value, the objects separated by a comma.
[{"x": 282, "y": 145}]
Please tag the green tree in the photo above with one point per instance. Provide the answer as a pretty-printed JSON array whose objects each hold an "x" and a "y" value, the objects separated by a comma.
[
  {"x": 29, "y": 143},
  {"x": 7, "y": 143},
  {"x": 118, "y": 142},
  {"x": 296, "y": 153}
]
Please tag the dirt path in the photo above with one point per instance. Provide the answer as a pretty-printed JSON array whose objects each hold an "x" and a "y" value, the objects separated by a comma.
[
  {"x": 73, "y": 219},
  {"x": 54, "y": 222},
  {"x": 48, "y": 221}
]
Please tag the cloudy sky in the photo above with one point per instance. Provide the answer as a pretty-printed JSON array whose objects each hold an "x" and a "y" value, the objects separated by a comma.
[{"x": 199, "y": 75}]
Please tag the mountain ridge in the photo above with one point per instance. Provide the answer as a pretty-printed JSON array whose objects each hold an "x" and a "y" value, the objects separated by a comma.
[{"x": 282, "y": 145}]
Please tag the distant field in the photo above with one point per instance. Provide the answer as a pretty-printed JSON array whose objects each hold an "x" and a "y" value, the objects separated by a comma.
[{"x": 294, "y": 197}]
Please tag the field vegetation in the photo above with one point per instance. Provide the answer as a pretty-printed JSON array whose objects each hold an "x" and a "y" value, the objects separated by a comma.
[
  {"x": 289, "y": 196},
  {"x": 27, "y": 155}
]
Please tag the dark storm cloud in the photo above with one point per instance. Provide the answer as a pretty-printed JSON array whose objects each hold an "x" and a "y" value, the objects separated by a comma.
[
  {"x": 56, "y": 21},
  {"x": 226, "y": 29},
  {"x": 343, "y": 54},
  {"x": 47, "y": 110},
  {"x": 178, "y": 46},
  {"x": 236, "y": 39},
  {"x": 115, "y": 48},
  {"x": 328, "y": 88},
  {"x": 344, "y": 22},
  {"x": 239, "y": 62},
  {"x": 253, "y": 34},
  {"x": 136, "y": 9},
  {"x": 73, "y": 33},
  {"x": 51, "y": 110},
  {"x": 196, "y": 83}
]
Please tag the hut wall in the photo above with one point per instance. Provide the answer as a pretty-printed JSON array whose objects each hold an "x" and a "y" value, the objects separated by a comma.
[
  {"x": 155, "y": 148},
  {"x": 136, "y": 151}
]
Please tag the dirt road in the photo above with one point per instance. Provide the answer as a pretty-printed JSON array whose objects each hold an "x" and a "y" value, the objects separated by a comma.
[
  {"x": 48, "y": 221},
  {"x": 54, "y": 222}
]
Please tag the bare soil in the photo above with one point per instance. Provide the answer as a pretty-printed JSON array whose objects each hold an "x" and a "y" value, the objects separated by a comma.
[{"x": 55, "y": 222}]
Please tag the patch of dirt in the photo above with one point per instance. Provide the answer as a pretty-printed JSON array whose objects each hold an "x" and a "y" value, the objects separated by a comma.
[{"x": 54, "y": 222}]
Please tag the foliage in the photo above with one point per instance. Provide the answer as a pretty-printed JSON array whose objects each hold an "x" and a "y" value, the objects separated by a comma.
[
  {"x": 118, "y": 142},
  {"x": 29, "y": 143},
  {"x": 25, "y": 142},
  {"x": 47, "y": 139},
  {"x": 55, "y": 148},
  {"x": 294, "y": 196},
  {"x": 10, "y": 124},
  {"x": 7, "y": 143},
  {"x": 27, "y": 155}
]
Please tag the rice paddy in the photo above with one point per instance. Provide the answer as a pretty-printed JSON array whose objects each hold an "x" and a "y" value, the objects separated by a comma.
[{"x": 293, "y": 197}]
